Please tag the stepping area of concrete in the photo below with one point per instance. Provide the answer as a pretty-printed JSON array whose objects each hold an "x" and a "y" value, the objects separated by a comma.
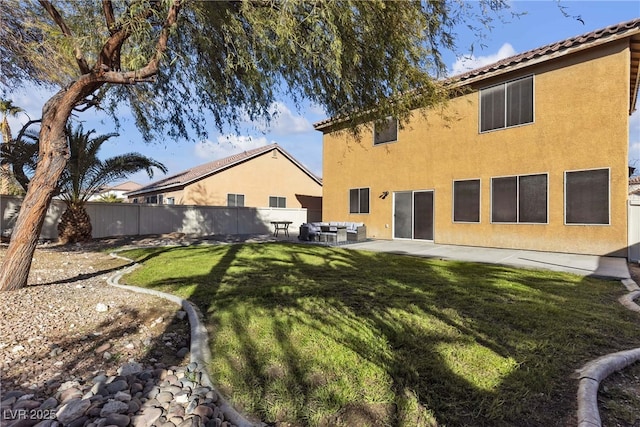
[{"x": 584, "y": 265}]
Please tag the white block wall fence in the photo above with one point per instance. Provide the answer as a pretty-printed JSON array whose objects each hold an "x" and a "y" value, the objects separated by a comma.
[
  {"x": 633, "y": 225},
  {"x": 128, "y": 219}
]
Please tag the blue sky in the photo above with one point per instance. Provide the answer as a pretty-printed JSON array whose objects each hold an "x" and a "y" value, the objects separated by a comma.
[{"x": 542, "y": 23}]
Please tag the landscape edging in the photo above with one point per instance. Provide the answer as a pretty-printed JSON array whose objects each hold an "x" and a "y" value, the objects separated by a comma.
[
  {"x": 199, "y": 347},
  {"x": 591, "y": 374}
]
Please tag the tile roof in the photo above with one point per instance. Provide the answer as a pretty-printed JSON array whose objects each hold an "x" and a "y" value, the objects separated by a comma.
[
  {"x": 634, "y": 180},
  {"x": 198, "y": 172},
  {"x": 124, "y": 186},
  {"x": 605, "y": 35},
  {"x": 600, "y": 36}
]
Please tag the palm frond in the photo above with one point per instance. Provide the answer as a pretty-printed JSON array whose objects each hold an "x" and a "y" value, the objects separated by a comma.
[{"x": 85, "y": 173}]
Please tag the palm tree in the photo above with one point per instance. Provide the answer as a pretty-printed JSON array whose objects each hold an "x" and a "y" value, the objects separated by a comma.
[
  {"x": 84, "y": 175},
  {"x": 7, "y": 182},
  {"x": 110, "y": 198},
  {"x": 7, "y": 109}
]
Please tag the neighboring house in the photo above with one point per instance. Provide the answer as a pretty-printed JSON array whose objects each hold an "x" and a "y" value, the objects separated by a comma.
[
  {"x": 264, "y": 177},
  {"x": 634, "y": 188},
  {"x": 533, "y": 156},
  {"x": 118, "y": 190}
]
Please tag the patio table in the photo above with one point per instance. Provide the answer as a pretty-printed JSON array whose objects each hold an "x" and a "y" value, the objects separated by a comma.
[{"x": 281, "y": 225}]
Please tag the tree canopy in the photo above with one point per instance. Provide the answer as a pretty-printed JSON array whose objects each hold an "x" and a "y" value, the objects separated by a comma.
[
  {"x": 179, "y": 63},
  {"x": 225, "y": 60}
]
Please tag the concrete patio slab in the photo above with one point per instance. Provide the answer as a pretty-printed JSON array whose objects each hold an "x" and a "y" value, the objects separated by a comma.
[{"x": 584, "y": 265}]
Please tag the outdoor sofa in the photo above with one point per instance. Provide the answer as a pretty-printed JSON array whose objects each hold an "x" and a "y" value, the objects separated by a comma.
[{"x": 333, "y": 232}]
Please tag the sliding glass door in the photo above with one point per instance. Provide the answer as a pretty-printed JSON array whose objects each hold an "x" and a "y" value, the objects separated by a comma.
[{"x": 413, "y": 215}]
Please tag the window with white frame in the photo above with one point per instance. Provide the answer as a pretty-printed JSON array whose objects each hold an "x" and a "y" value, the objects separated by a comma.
[
  {"x": 235, "y": 200},
  {"x": 520, "y": 199},
  {"x": 386, "y": 131},
  {"x": 586, "y": 197},
  {"x": 506, "y": 105},
  {"x": 277, "y": 202},
  {"x": 359, "y": 200},
  {"x": 466, "y": 200}
]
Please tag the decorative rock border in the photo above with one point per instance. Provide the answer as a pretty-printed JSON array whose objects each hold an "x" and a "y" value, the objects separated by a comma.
[
  {"x": 199, "y": 346},
  {"x": 597, "y": 370}
]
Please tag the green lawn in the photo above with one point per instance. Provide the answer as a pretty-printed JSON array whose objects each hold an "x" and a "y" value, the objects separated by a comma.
[{"x": 312, "y": 335}]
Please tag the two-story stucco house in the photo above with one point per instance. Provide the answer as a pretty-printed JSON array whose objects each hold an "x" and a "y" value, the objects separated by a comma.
[
  {"x": 532, "y": 156},
  {"x": 263, "y": 177}
]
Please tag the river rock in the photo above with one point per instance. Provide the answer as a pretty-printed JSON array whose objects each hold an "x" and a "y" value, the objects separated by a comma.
[
  {"x": 131, "y": 368},
  {"x": 119, "y": 420},
  {"x": 147, "y": 418},
  {"x": 72, "y": 410},
  {"x": 117, "y": 386},
  {"x": 114, "y": 407}
]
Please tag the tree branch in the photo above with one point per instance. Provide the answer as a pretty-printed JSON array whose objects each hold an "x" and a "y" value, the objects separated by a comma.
[
  {"x": 151, "y": 69},
  {"x": 57, "y": 18},
  {"x": 109, "y": 58},
  {"x": 25, "y": 127},
  {"x": 148, "y": 72},
  {"x": 87, "y": 104},
  {"x": 110, "y": 18},
  {"x": 128, "y": 78}
]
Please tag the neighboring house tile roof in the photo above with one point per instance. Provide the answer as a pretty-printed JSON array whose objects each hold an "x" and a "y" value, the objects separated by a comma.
[
  {"x": 202, "y": 171},
  {"x": 634, "y": 180},
  {"x": 548, "y": 52},
  {"x": 124, "y": 186}
]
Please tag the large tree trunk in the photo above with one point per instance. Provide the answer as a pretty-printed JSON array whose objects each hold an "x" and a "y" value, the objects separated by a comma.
[{"x": 53, "y": 156}]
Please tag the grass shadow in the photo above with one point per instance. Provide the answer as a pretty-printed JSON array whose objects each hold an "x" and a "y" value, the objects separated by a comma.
[{"x": 312, "y": 335}]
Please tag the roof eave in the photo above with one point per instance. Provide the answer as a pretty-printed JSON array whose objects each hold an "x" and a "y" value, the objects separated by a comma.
[
  {"x": 628, "y": 33},
  {"x": 153, "y": 190}
]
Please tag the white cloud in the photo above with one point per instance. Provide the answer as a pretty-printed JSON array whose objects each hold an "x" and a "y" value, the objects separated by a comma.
[
  {"x": 285, "y": 122},
  {"x": 471, "y": 62},
  {"x": 226, "y": 145},
  {"x": 317, "y": 109}
]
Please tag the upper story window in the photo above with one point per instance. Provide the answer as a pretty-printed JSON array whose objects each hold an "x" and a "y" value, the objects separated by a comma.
[
  {"x": 277, "y": 202},
  {"x": 359, "y": 200},
  {"x": 385, "y": 132},
  {"x": 236, "y": 200},
  {"x": 506, "y": 105}
]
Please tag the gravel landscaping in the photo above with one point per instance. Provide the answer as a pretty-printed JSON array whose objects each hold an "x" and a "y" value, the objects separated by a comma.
[{"x": 78, "y": 352}]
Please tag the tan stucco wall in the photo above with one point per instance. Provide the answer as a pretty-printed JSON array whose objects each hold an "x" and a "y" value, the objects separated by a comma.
[
  {"x": 580, "y": 122},
  {"x": 258, "y": 178}
]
